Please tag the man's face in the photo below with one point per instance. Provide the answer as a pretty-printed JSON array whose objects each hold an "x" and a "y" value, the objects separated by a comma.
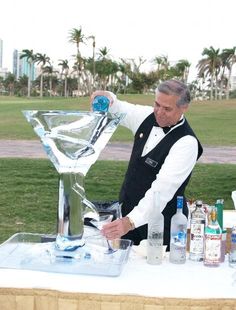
[{"x": 167, "y": 113}]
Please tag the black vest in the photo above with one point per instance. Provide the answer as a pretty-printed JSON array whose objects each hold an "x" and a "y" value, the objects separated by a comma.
[{"x": 142, "y": 171}]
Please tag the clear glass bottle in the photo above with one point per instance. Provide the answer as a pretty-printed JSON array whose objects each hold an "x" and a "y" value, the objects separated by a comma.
[
  {"x": 232, "y": 253},
  {"x": 197, "y": 227},
  {"x": 213, "y": 236},
  {"x": 155, "y": 233},
  {"x": 223, "y": 245},
  {"x": 178, "y": 235}
]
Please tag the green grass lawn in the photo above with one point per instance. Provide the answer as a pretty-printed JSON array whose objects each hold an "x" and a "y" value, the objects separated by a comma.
[
  {"x": 29, "y": 190},
  {"x": 213, "y": 121},
  {"x": 29, "y": 187}
]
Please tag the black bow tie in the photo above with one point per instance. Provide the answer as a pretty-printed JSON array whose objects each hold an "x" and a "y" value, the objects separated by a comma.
[{"x": 168, "y": 128}]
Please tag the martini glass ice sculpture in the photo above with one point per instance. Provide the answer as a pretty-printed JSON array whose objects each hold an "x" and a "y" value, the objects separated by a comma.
[{"x": 73, "y": 141}]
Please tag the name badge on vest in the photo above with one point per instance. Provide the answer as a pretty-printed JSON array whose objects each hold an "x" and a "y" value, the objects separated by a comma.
[{"x": 151, "y": 162}]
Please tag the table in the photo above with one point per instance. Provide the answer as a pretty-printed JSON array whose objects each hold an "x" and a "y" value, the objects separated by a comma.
[{"x": 140, "y": 286}]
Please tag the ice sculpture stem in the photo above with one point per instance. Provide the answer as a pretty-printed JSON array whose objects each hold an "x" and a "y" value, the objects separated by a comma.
[{"x": 70, "y": 206}]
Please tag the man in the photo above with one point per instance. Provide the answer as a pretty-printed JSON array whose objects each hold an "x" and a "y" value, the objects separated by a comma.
[{"x": 164, "y": 153}]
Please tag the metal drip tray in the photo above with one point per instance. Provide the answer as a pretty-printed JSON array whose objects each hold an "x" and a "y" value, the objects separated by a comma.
[{"x": 37, "y": 252}]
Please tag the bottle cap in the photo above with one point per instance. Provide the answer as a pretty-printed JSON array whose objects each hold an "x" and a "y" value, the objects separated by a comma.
[
  {"x": 179, "y": 202},
  {"x": 199, "y": 203}
]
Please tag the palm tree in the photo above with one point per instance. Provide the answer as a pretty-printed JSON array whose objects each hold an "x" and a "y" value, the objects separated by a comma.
[
  {"x": 125, "y": 69},
  {"x": 222, "y": 77},
  {"x": 103, "y": 53},
  {"x": 77, "y": 37},
  {"x": 10, "y": 82},
  {"x": 42, "y": 59},
  {"x": 209, "y": 65},
  {"x": 182, "y": 68},
  {"x": 30, "y": 57},
  {"x": 64, "y": 71},
  {"x": 162, "y": 62},
  {"x": 163, "y": 66},
  {"x": 51, "y": 72},
  {"x": 106, "y": 69},
  {"x": 229, "y": 55}
]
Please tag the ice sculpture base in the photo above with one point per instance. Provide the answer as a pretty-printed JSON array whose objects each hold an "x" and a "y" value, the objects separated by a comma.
[{"x": 37, "y": 252}]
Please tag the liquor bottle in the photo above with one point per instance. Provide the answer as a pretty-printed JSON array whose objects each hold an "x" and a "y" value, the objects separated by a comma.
[
  {"x": 223, "y": 245},
  {"x": 213, "y": 236},
  {"x": 178, "y": 235},
  {"x": 197, "y": 227},
  {"x": 155, "y": 233},
  {"x": 220, "y": 207},
  {"x": 232, "y": 254},
  {"x": 100, "y": 104}
]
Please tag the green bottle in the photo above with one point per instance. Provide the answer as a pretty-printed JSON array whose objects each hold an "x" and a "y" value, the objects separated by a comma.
[{"x": 220, "y": 207}]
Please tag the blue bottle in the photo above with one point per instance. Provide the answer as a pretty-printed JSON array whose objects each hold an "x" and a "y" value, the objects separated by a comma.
[{"x": 100, "y": 104}]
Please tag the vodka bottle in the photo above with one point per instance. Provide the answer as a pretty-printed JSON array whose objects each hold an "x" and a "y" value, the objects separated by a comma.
[
  {"x": 213, "y": 236},
  {"x": 155, "y": 233},
  {"x": 223, "y": 245},
  {"x": 232, "y": 254},
  {"x": 100, "y": 104},
  {"x": 197, "y": 227},
  {"x": 178, "y": 232}
]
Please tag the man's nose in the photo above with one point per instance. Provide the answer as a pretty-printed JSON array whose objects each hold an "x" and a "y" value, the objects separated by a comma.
[{"x": 159, "y": 111}]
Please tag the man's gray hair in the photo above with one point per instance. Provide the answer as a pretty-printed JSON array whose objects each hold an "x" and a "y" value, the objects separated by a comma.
[{"x": 177, "y": 88}]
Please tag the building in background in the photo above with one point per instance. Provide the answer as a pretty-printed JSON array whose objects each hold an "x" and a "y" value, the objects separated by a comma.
[
  {"x": 21, "y": 66},
  {"x": 3, "y": 71},
  {"x": 16, "y": 64}
]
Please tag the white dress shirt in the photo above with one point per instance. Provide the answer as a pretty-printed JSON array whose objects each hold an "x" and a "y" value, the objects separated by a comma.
[{"x": 176, "y": 167}]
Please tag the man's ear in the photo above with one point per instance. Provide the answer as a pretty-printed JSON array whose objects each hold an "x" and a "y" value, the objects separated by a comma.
[{"x": 184, "y": 108}]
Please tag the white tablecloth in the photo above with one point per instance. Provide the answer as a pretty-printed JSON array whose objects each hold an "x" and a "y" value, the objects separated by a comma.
[{"x": 190, "y": 280}]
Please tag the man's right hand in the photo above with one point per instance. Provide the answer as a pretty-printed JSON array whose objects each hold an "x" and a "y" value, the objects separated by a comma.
[{"x": 117, "y": 228}]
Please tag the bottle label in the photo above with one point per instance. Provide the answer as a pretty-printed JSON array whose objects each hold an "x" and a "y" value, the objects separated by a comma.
[
  {"x": 155, "y": 236},
  {"x": 232, "y": 254},
  {"x": 197, "y": 238},
  {"x": 233, "y": 238},
  {"x": 178, "y": 247},
  {"x": 212, "y": 249},
  {"x": 180, "y": 238},
  {"x": 154, "y": 248}
]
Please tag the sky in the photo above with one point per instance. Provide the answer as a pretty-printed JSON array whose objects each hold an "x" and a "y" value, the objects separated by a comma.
[{"x": 179, "y": 29}]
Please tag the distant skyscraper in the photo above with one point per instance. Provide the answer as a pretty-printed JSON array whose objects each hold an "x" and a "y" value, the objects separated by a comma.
[
  {"x": 21, "y": 66},
  {"x": 1, "y": 51},
  {"x": 15, "y": 68}
]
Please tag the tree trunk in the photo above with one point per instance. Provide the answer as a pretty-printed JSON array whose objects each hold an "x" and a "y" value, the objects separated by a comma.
[
  {"x": 29, "y": 80},
  {"x": 41, "y": 85},
  {"x": 228, "y": 83}
]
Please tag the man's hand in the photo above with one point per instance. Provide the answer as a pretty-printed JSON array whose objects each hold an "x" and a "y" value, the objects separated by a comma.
[{"x": 117, "y": 228}]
